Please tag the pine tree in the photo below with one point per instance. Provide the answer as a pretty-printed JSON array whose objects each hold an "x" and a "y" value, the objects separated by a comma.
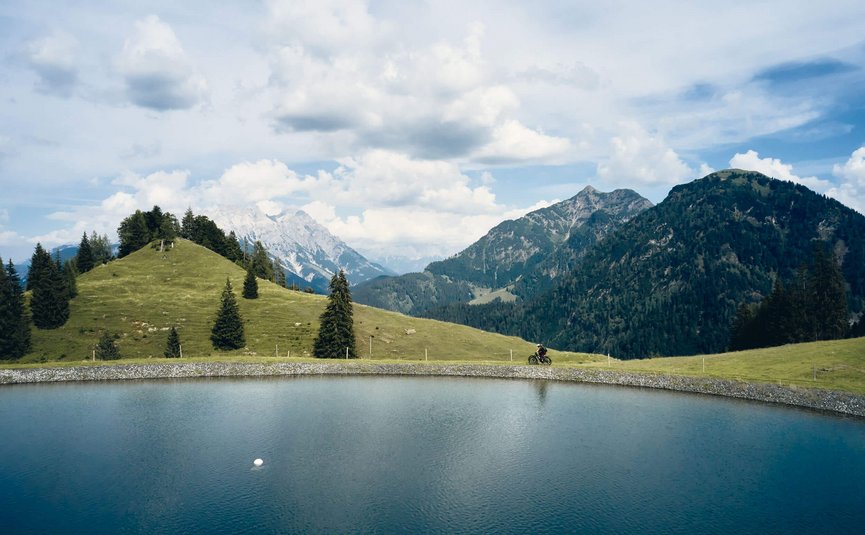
[
  {"x": 172, "y": 347},
  {"x": 84, "y": 259},
  {"x": 250, "y": 285},
  {"x": 49, "y": 302},
  {"x": 232, "y": 248},
  {"x": 227, "y": 330},
  {"x": 336, "y": 333},
  {"x": 106, "y": 349},
  {"x": 14, "y": 322}
]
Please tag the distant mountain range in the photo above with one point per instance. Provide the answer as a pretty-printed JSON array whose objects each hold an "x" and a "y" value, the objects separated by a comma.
[
  {"x": 309, "y": 253},
  {"x": 515, "y": 259},
  {"x": 669, "y": 281}
]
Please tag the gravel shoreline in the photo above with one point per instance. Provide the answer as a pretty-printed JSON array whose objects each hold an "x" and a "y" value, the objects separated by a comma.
[{"x": 821, "y": 400}]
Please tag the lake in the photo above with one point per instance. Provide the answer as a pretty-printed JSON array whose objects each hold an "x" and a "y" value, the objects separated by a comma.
[{"x": 433, "y": 455}]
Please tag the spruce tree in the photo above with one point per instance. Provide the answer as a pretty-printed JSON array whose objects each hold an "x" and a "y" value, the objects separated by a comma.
[
  {"x": 336, "y": 332},
  {"x": 14, "y": 327},
  {"x": 172, "y": 346},
  {"x": 261, "y": 264},
  {"x": 40, "y": 266},
  {"x": 84, "y": 261},
  {"x": 250, "y": 285},
  {"x": 14, "y": 322},
  {"x": 106, "y": 349},
  {"x": 227, "y": 330},
  {"x": 49, "y": 302}
]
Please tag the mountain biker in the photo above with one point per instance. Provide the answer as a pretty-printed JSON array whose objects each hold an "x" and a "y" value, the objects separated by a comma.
[{"x": 541, "y": 350}]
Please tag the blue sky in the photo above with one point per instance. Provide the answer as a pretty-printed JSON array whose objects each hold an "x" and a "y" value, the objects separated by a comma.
[{"x": 409, "y": 129}]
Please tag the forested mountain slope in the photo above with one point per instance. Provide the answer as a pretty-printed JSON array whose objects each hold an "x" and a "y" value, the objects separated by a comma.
[{"x": 669, "y": 282}]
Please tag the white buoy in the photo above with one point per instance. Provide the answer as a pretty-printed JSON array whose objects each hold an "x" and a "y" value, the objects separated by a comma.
[{"x": 258, "y": 462}]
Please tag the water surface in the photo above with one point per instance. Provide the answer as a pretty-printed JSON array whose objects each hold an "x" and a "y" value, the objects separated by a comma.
[{"x": 437, "y": 455}]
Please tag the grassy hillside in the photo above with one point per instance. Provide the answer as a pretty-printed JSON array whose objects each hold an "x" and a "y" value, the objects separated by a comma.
[
  {"x": 141, "y": 296},
  {"x": 833, "y": 365}
]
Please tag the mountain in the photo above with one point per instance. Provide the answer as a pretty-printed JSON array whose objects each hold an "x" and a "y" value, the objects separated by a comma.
[
  {"x": 513, "y": 260},
  {"x": 670, "y": 281},
  {"x": 309, "y": 253}
]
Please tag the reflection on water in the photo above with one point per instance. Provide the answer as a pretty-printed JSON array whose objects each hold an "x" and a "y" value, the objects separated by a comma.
[{"x": 361, "y": 454}]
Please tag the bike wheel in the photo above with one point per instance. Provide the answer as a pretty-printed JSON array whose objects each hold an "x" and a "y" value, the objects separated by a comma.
[
  {"x": 548, "y": 361},
  {"x": 533, "y": 359}
]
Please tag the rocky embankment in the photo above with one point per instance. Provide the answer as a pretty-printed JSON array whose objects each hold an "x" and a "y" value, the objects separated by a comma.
[{"x": 822, "y": 400}]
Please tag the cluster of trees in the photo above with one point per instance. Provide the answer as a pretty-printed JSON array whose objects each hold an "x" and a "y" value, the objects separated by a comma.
[
  {"x": 141, "y": 228},
  {"x": 813, "y": 306},
  {"x": 92, "y": 252},
  {"x": 14, "y": 321}
]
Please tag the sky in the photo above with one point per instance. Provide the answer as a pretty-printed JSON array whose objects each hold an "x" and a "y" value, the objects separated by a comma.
[{"x": 409, "y": 129}]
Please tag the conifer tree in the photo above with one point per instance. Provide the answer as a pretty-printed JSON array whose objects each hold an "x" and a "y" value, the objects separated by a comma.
[
  {"x": 172, "y": 346},
  {"x": 250, "y": 285},
  {"x": 14, "y": 323},
  {"x": 106, "y": 349},
  {"x": 187, "y": 225},
  {"x": 227, "y": 330},
  {"x": 261, "y": 264},
  {"x": 84, "y": 259},
  {"x": 49, "y": 302},
  {"x": 40, "y": 266},
  {"x": 101, "y": 247},
  {"x": 336, "y": 333}
]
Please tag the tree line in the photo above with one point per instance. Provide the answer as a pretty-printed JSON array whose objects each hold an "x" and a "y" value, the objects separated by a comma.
[{"x": 811, "y": 307}]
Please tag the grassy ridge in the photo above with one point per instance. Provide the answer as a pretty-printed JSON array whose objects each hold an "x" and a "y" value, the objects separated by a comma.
[{"x": 141, "y": 296}]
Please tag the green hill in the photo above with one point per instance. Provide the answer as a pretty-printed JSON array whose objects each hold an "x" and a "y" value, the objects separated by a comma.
[{"x": 141, "y": 296}]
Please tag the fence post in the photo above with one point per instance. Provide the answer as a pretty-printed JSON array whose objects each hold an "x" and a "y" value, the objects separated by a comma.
[
  {"x": 180, "y": 347},
  {"x": 426, "y": 353}
]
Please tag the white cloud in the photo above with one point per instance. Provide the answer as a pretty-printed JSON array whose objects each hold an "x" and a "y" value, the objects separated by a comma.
[
  {"x": 775, "y": 168},
  {"x": 638, "y": 157},
  {"x": 53, "y": 59},
  {"x": 158, "y": 73},
  {"x": 851, "y": 189}
]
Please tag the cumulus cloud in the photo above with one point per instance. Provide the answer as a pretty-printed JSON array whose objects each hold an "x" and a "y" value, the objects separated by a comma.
[
  {"x": 432, "y": 101},
  {"x": 637, "y": 156},
  {"x": 851, "y": 188},
  {"x": 157, "y": 71},
  {"x": 53, "y": 59},
  {"x": 775, "y": 168}
]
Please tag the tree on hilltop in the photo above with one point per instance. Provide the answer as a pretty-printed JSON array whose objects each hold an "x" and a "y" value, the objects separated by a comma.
[
  {"x": 336, "y": 333},
  {"x": 84, "y": 259},
  {"x": 227, "y": 332}
]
